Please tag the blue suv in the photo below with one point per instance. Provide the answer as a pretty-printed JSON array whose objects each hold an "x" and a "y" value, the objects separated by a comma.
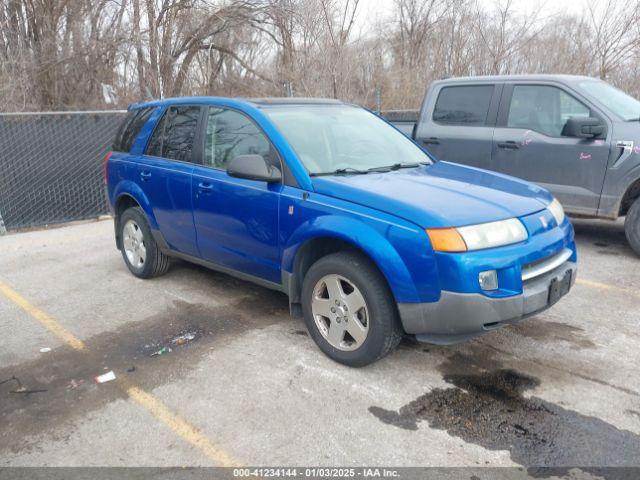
[{"x": 369, "y": 236}]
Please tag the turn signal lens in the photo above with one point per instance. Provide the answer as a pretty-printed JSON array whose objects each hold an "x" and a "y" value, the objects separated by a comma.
[
  {"x": 446, "y": 240},
  {"x": 106, "y": 161}
]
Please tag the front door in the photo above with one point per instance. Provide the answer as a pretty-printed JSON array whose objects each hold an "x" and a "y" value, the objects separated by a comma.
[
  {"x": 529, "y": 143},
  {"x": 236, "y": 219}
]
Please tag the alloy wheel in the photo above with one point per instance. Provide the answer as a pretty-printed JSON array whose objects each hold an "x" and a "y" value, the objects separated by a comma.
[
  {"x": 340, "y": 312},
  {"x": 133, "y": 243}
]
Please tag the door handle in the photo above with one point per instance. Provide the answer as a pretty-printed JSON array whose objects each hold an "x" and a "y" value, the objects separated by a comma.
[
  {"x": 431, "y": 141},
  {"x": 145, "y": 175},
  {"x": 205, "y": 187},
  {"x": 510, "y": 144}
]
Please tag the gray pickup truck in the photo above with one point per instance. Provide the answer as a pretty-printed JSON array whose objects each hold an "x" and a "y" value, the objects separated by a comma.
[{"x": 579, "y": 137}]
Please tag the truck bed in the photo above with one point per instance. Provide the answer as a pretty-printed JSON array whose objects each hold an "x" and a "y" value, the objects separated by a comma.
[{"x": 403, "y": 120}]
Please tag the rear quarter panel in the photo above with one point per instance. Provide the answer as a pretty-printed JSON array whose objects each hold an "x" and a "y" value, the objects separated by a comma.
[{"x": 121, "y": 171}]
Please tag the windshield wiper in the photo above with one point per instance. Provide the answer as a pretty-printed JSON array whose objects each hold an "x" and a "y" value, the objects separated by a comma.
[
  {"x": 341, "y": 171},
  {"x": 395, "y": 166},
  {"x": 382, "y": 169}
]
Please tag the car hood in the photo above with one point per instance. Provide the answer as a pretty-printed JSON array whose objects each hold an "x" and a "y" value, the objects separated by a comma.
[{"x": 440, "y": 195}]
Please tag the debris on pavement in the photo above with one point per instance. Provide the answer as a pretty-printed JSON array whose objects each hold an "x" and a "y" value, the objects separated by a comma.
[
  {"x": 72, "y": 385},
  {"x": 12, "y": 379},
  {"x": 182, "y": 339},
  {"x": 106, "y": 377},
  {"x": 161, "y": 351},
  {"x": 26, "y": 391},
  {"x": 21, "y": 389},
  {"x": 131, "y": 369},
  {"x": 45, "y": 349}
]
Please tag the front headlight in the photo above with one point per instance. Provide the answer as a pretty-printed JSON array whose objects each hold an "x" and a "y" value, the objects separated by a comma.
[
  {"x": 557, "y": 211},
  {"x": 477, "y": 237}
]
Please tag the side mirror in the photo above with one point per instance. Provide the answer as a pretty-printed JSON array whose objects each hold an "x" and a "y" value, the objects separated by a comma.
[
  {"x": 583, "y": 127},
  {"x": 253, "y": 167}
]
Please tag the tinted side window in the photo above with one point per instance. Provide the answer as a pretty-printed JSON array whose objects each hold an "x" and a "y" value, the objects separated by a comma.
[
  {"x": 130, "y": 129},
  {"x": 229, "y": 134},
  {"x": 543, "y": 108},
  {"x": 466, "y": 105},
  {"x": 175, "y": 134},
  {"x": 155, "y": 143}
]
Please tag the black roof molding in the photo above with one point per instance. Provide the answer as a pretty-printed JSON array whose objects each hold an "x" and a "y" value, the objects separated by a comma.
[{"x": 294, "y": 101}]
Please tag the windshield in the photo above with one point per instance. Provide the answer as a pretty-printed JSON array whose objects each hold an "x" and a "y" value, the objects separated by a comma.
[
  {"x": 330, "y": 138},
  {"x": 623, "y": 105}
]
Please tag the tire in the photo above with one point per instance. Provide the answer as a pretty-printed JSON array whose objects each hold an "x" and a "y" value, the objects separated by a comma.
[
  {"x": 632, "y": 226},
  {"x": 142, "y": 254},
  {"x": 375, "y": 327}
]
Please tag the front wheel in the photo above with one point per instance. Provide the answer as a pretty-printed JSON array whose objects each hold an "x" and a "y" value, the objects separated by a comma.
[
  {"x": 349, "y": 310},
  {"x": 632, "y": 226}
]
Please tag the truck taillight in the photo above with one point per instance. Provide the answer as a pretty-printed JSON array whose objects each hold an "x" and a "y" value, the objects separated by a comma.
[{"x": 106, "y": 161}]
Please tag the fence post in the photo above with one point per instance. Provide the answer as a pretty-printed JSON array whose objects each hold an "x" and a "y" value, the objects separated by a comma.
[{"x": 3, "y": 230}]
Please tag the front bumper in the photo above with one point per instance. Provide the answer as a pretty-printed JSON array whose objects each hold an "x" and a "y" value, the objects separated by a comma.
[{"x": 458, "y": 317}]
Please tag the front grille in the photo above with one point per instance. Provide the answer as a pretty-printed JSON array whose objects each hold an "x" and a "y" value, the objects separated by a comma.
[{"x": 540, "y": 267}]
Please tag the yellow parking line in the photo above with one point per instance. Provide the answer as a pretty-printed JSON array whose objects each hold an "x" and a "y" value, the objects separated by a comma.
[
  {"x": 42, "y": 316},
  {"x": 148, "y": 401},
  {"x": 181, "y": 427},
  {"x": 605, "y": 286}
]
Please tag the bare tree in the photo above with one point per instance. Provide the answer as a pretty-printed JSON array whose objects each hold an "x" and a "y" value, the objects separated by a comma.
[
  {"x": 614, "y": 32},
  {"x": 504, "y": 35},
  {"x": 64, "y": 54}
]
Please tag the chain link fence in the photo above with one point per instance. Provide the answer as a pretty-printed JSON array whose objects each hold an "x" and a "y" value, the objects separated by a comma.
[{"x": 51, "y": 166}]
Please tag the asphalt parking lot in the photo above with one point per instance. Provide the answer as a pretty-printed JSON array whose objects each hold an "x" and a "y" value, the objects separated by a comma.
[{"x": 247, "y": 386}]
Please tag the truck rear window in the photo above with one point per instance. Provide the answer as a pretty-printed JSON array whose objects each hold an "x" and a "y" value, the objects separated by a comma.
[
  {"x": 463, "y": 105},
  {"x": 130, "y": 128}
]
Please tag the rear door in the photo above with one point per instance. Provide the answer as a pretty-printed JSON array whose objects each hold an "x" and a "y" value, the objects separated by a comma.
[
  {"x": 164, "y": 174},
  {"x": 457, "y": 122},
  {"x": 236, "y": 219},
  {"x": 528, "y": 143}
]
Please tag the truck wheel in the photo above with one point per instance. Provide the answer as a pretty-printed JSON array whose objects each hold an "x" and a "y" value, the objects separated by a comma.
[
  {"x": 349, "y": 310},
  {"x": 139, "y": 250},
  {"x": 632, "y": 226}
]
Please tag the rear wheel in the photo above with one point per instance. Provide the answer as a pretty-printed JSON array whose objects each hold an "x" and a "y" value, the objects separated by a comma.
[
  {"x": 349, "y": 309},
  {"x": 140, "y": 251},
  {"x": 632, "y": 226}
]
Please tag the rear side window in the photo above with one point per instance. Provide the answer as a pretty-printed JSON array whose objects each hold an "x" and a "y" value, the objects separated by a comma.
[
  {"x": 175, "y": 134},
  {"x": 465, "y": 105},
  {"x": 130, "y": 129}
]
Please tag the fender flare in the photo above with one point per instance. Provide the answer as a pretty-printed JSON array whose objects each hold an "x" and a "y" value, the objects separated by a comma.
[
  {"x": 131, "y": 189},
  {"x": 361, "y": 236},
  {"x": 631, "y": 178}
]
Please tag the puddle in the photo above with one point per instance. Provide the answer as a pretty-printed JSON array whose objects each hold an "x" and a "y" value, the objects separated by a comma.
[
  {"x": 68, "y": 375},
  {"x": 486, "y": 406},
  {"x": 543, "y": 331}
]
